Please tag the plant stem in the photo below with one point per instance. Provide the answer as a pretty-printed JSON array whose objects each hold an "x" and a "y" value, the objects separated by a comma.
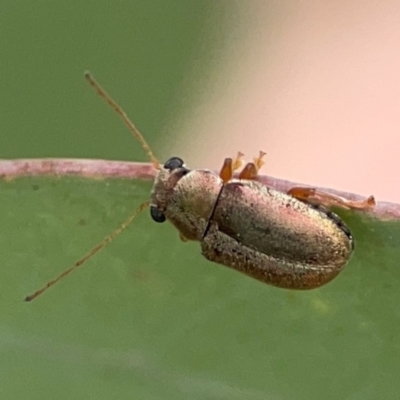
[{"x": 95, "y": 169}]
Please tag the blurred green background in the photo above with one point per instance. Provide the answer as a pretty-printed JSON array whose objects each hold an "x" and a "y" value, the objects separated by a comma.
[
  {"x": 149, "y": 318},
  {"x": 141, "y": 51}
]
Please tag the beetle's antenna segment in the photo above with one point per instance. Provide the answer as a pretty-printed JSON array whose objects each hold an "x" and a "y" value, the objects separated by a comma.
[
  {"x": 102, "y": 93},
  {"x": 90, "y": 254}
]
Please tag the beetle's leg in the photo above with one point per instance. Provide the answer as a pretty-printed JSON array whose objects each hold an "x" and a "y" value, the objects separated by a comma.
[
  {"x": 250, "y": 171},
  {"x": 237, "y": 162},
  {"x": 258, "y": 161},
  {"x": 316, "y": 196},
  {"x": 183, "y": 238},
  {"x": 226, "y": 174},
  {"x": 229, "y": 166}
]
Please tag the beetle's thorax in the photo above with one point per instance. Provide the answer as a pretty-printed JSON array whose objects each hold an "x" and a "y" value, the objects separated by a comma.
[
  {"x": 163, "y": 187},
  {"x": 186, "y": 198}
]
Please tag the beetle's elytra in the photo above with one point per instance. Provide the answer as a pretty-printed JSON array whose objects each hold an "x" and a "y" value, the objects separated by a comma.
[{"x": 287, "y": 240}]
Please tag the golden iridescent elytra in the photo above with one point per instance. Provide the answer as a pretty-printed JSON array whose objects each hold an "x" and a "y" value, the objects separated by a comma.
[{"x": 290, "y": 240}]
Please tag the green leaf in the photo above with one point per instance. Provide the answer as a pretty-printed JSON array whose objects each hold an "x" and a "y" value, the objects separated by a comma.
[{"x": 150, "y": 318}]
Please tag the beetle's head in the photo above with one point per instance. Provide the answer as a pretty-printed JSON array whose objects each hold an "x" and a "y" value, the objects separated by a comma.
[{"x": 165, "y": 181}]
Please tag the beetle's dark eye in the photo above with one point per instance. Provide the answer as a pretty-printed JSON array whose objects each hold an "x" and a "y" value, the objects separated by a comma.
[
  {"x": 156, "y": 214},
  {"x": 173, "y": 163}
]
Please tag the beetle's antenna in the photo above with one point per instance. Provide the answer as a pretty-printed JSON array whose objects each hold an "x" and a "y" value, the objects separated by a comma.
[
  {"x": 90, "y": 254},
  {"x": 102, "y": 93}
]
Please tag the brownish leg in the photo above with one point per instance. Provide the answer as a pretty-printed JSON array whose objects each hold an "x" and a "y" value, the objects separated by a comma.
[
  {"x": 183, "y": 238},
  {"x": 238, "y": 161},
  {"x": 226, "y": 174},
  {"x": 250, "y": 171},
  {"x": 230, "y": 166},
  {"x": 316, "y": 196}
]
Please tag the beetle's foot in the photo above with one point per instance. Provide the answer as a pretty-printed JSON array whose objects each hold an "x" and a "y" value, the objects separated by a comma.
[{"x": 316, "y": 196}]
